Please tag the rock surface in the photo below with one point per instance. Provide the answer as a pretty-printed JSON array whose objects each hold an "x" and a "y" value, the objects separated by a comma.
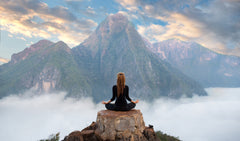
[
  {"x": 115, "y": 126},
  {"x": 120, "y": 124}
]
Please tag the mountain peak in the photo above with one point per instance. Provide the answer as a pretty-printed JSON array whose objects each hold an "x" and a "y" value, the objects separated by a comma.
[
  {"x": 114, "y": 26},
  {"x": 60, "y": 45},
  {"x": 41, "y": 43},
  {"x": 117, "y": 17},
  {"x": 38, "y": 47},
  {"x": 33, "y": 48},
  {"x": 114, "y": 23}
]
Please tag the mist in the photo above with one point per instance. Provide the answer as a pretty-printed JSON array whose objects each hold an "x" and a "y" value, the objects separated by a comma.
[{"x": 31, "y": 117}]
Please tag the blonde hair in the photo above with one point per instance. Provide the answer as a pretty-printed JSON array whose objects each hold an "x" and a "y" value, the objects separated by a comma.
[{"x": 120, "y": 83}]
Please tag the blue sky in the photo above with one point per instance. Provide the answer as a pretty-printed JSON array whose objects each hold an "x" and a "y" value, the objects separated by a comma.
[{"x": 214, "y": 24}]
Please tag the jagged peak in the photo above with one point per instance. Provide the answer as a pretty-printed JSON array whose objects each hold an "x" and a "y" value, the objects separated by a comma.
[
  {"x": 60, "y": 45},
  {"x": 114, "y": 23},
  {"x": 115, "y": 27},
  {"x": 40, "y": 44},
  {"x": 117, "y": 17}
]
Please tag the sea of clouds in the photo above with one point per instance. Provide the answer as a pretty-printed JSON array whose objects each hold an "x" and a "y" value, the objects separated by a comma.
[{"x": 30, "y": 117}]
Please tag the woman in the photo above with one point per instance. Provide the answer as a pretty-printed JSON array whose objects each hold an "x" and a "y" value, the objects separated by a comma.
[{"x": 120, "y": 91}]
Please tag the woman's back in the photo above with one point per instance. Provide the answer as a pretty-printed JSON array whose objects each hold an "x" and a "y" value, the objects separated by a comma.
[{"x": 121, "y": 99}]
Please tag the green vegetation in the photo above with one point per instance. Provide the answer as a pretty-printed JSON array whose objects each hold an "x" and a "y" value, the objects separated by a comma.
[
  {"x": 165, "y": 137},
  {"x": 53, "y": 137}
]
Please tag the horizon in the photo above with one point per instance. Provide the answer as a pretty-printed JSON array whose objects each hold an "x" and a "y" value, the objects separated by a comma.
[{"x": 72, "y": 21}]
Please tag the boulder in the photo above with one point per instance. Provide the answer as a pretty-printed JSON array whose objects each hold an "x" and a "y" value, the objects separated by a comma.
[{"x": 122, "y": 125}]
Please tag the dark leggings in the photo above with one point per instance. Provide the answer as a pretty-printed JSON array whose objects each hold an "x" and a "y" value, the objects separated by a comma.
[{"x": 113, "y": 107}]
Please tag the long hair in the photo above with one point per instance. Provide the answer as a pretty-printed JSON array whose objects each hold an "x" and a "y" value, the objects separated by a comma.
[{"x": 120, "y": 83}]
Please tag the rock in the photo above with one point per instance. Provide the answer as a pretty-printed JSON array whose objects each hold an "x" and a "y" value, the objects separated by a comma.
[
  {"x": 115, "y": 126},
  {"x": 88, "y": 133},
  {"x": 120, "y": 125},
  {"x": 74, "y": 136},
  {"x": 150, "y": 134}
]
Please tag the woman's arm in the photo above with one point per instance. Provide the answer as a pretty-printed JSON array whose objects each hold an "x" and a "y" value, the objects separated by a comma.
[
  {"x": 103, "y": 102},
  {"x": 127, "y": 95},
  {"x": 128, "y": 98},
  {"x": 114, "y": 93}
]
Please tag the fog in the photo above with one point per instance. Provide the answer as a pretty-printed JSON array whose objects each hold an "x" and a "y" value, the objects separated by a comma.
[{"x": 30, "y": 117}]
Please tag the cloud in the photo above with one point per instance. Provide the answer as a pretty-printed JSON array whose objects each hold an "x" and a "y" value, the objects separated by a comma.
[
  {"x": 130, "y": 5},
  {"x": 214, "y": 117},
  {"x": 130, "y": 16},
  {"x": 179, "y": 26},
  {"x": 31, "y": 117},
  {"x": 214, "y": 24},
  {"x": 3, "y": 60},
  {"x": 36, "y": 19},
  {"x": 34, "y": 117},
  {"x": 82, "y": 8}
]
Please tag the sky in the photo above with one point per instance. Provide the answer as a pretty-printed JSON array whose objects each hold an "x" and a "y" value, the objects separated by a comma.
[
  {"x": 31, "y": 117},
  {"x": 214, "y": 24}
]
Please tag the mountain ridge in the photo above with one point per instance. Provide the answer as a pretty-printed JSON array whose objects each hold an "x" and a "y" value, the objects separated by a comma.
[
  {"x": 90, "y": 69},
  {"x": 209, "y": 68}
]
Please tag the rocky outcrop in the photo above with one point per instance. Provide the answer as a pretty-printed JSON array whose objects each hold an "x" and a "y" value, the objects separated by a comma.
[
  {"x": 115, "y": 126},
  {"x": 120, "y": 125}
]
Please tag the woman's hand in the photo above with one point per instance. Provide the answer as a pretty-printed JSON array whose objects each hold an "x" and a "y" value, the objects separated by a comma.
[
  {"x": 103, "y": 102},
  {"x": 135, "y": 101}
]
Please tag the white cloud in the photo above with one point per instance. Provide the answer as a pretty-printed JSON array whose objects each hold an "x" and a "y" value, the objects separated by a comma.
[
  {"x": 213, "y": 24},
  {"x": 130, "y": 16},
  {"x": 179, "y": 27},
  {"x": 210, "y": 118},
  {"x": 214, "y": 117},
  {"x": 37, "y": 19},
  {"x": 130, "y": 5},
  {"x": 3, "y": 60},
  {"x": 152, "y": 32}
]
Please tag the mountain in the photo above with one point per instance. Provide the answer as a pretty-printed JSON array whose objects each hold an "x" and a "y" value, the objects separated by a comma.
[
  {"x": 203, "y": 65},
  {"x": 90, "y": 69},
  {"x": 45, "y": 66},
  {"x": 116, "y": 46}
]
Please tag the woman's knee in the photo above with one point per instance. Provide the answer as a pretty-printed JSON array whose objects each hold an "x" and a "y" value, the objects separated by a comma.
[
  {"x": 131, "y": 106},
  {"x": 109, "y": 106}
]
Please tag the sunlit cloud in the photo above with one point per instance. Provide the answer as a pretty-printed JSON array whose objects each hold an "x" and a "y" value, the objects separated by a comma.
[
  {"x": 215, "y": 25},
  {"x": 179, "y": 27},
  {"x": 130, "y": 16},
  {"x": 3, "y": 60},
  {"x": 130, "y": 5},
  {"x": 36, "y": 19}
]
